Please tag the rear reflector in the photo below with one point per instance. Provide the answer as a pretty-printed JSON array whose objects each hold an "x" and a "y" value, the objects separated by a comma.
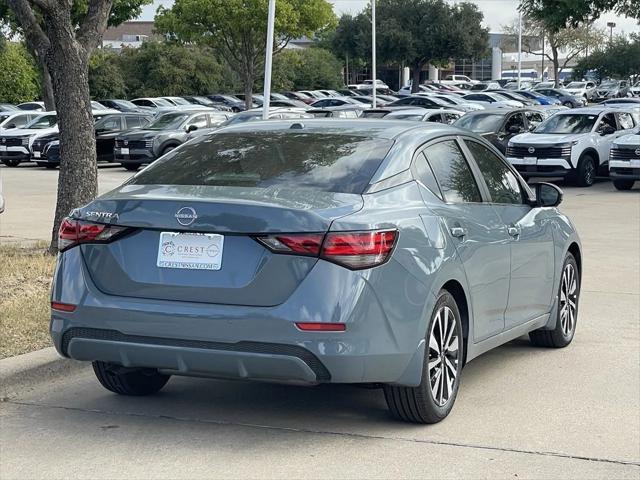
[
  {"x": 74, "y": 232},
  {"x": 62, "y": 307},
  {"x": 354, "y": 250},
  {"x": 321, "y": 327}
]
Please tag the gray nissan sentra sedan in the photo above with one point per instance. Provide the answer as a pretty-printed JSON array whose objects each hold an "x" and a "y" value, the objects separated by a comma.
[{"x": 317, "y": 251}]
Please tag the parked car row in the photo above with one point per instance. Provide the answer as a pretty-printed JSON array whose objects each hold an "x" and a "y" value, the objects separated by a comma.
[{"x": 538, "y": 134}]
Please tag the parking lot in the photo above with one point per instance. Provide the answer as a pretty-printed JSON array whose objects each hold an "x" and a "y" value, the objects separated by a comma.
[{"x": 521, "y": 411}]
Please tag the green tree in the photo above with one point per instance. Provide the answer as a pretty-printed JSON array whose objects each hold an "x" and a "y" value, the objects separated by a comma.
[
  {"x": 169, "y": 68},
  {"x": 121, "y": 11},
  {"x": 351, "y": 41},
  {"x": 105, "y": 75},
  {"x": 307, "y": 69},
  {"x": 237, "y": 29},
  {"x": 421, "y": 32},
  {"x": 18, "y": 75},
  {"x": 557, "y": 15},
  {"x": 570, "y": 41},
  {"x": 618, "y": 59}
]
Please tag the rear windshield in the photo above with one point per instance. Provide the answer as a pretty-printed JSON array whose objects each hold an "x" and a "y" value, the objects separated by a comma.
[
  {"x": 329, "y": 162},
  {"x": 481, "y": 122}
]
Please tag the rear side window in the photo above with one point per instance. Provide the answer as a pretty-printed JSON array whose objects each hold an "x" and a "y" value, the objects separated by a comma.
[
  {"x": 329, "y": 162},
  {"x": 453, "y": 173},
  {"x": 500, "y": 180}
]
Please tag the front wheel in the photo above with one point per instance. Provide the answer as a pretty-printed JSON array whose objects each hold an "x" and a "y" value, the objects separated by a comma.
[
  {"x": 585, "y": 174},
  {"x": 129, "y": 381},
  {"x": 433, "y": 399},
  {"x": 567, "y": 312},
  {"x": 623, "y": 184},
  {"x": 132, "y": 167},
  {"x": 11, "y": 162}
]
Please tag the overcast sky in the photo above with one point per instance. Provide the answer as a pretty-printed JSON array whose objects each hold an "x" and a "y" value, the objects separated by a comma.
[{"x": 496, "y": 13}]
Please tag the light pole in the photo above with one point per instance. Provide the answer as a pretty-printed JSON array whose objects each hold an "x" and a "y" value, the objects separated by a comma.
[
  {"x": 611, "y": 26},
  {"x": 373, "y": 51},
  {"x": 519, "y": 48},
  {"x": 268, "y": 59}
]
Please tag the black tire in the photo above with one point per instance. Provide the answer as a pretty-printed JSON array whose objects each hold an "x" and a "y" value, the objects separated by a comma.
[
  {"x": 11, "y": 162},
  {"x": 132, "y": 167},
  {"x": 417, "y": 404},
  {"x": 623, "y": 184},
  {"x": 129, "y": 381},
  {"x": 585, "y": 174},
  {"x": 560, "y": 336},
  {"x": 166, "y": 150}
]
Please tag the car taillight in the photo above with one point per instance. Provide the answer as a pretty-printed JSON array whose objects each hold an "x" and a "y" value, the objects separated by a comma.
[
  {"x": 358, "y": 250},
  {"x": 74, "y": 232},
  {"x": 353, "y": 250}
]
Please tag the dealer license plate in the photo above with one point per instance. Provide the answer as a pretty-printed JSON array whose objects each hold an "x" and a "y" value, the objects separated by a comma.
[
  {"x": 124, "y": 151},
  {"x": 191, "y": 251},
  {"x": 635, "y": 163},
  {"x": 529, "y": 160},
  {"x": 36, "y": 154}
]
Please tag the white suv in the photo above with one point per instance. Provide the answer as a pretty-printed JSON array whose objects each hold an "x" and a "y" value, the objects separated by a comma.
[
  {"x": 584, "y": 90},
  {"x": 573, "y": 143},
  {"x": 624, "y": 161}
]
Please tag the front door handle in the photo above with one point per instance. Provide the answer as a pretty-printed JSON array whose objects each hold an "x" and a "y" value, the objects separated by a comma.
[
  {"x": 513, "y": 231},
  {"x": 458, "y": 232}
]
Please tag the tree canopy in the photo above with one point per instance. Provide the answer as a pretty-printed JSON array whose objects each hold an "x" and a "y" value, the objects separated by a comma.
[
  {"x": 560, "y": 14},
  {"x": 617, "y": 60},
  {"x": 421, "y": 32},
  {"x": 237, "y": 29},
  {"x": 19, "y": 78}
]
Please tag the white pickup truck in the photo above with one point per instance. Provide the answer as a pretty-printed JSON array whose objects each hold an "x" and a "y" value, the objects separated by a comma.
[{"x": 573, "y": 143}]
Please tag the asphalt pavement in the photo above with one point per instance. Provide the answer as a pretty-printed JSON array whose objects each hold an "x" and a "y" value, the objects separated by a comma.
[{"x": 522, "y": 412}]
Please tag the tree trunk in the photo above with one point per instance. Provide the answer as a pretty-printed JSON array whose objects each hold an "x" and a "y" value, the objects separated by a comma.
[
  {"x": 415, "y": 76},
  {"x": 68, "y": 64},
  {"x": 45, "y": 78},
  {"x": 47, "y": 87},
  {"x": 248, "y": 91},
  {"x": 556, "y": 65}
]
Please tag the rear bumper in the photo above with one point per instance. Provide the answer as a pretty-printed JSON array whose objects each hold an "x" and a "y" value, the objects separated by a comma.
[{"x": 256, "y": 343}]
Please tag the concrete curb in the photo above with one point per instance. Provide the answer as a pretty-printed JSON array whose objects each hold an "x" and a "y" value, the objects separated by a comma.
[{"x": 27, "y": 371}]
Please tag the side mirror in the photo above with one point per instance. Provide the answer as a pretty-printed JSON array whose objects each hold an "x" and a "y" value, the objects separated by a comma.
[
  {"x": 548, "y": 195},
  {"x": 607, "y": 130},
  {"x": 192, "y": 128},
  {"x": 11, "y": 125}
]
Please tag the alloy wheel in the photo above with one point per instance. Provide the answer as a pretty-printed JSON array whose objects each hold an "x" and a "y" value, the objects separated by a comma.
[
  {"x": 589, "y": 173},
  {"x": 443, "y": 358},
  {"x": 568, "y": 300}
]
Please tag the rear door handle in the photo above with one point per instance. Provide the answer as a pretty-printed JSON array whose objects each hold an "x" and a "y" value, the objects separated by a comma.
[
  {"x": 458, "y": 232},
  {"x": 513, "y": 231}
]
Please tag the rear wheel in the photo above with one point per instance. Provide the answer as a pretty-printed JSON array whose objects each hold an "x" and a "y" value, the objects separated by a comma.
[
  {"x": 433, "y": 399},
  {"x": 132, "y": 167},
  {"x": 623, "y": 184},
  {"x": 585, "y": 174},
  {"x": 129, "y": 381},
  {"x": 11, "y": 162},
  {"x": 568, "y": 296}
]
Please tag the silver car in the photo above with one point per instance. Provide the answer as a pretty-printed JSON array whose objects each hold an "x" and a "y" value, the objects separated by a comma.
[{"x": 315, "y": 251}]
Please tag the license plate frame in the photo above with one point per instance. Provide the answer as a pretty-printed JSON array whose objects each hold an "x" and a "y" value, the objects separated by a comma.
[{"x": 190, "y": 251}]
